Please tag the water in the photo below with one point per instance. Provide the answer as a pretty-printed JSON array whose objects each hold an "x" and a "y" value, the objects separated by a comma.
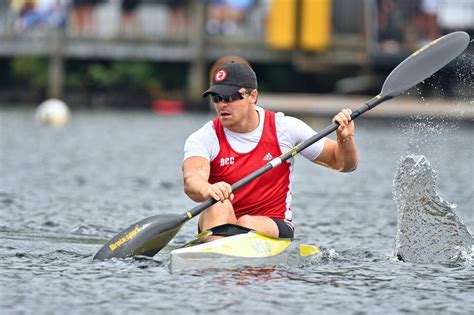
[{"x": 64, "y": 192}]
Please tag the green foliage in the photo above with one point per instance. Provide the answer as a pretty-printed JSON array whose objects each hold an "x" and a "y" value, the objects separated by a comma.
[
  {"x": 148, "y": 78},
  {"x": 124, "y": 74},
  {"x": 74, "y": 79},
  {"x": 100, "y": 75},
  {"x": 30, "y": 72},
  {"x": 155, "y": 80}
]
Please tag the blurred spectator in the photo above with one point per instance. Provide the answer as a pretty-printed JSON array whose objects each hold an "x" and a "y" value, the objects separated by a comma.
[
  {"x": 83, "y": 16},
  {"x": 179, "y": 21},
  {"x": 55, "y": 12},
  {"x": 129, "y": 24},
  {"x": 17, "y": 5},
  {"x": 390, "y": 26},
  {"x": 427, "y": 21},
  {"x": 225, "y": 16},
  {"x": 24, "y": 11},
  {"x": 36, "y": 13}
]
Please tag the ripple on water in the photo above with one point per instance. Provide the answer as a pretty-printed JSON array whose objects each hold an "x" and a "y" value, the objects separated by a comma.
[{"x": 64, "y": 193}]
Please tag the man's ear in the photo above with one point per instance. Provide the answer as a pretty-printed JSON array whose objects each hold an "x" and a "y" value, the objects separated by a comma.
[{"x": 254, "y": 94}]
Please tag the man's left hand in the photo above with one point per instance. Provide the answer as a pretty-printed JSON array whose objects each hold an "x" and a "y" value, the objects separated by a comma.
[{"x": 345, "y": 131}]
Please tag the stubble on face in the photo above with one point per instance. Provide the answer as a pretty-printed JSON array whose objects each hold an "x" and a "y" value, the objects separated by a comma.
[{"x": 237, "y": 116}]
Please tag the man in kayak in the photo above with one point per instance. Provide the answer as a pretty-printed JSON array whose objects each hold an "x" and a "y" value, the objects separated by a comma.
[{"x": 243, "y": 138}]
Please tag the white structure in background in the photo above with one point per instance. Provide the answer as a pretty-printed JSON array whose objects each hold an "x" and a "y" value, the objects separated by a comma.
[
  {"x": 456, "y": 14},
  {"x": 53, "y": 112},
  {"x": 151, "y": 16}
]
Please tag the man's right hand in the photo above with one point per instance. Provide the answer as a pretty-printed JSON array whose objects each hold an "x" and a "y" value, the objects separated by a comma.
[
  {"x": 219, "y": 191},
  {"x": 196, "y": 172}
]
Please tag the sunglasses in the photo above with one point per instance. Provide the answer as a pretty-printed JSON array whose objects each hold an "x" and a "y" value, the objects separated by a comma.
[{"x": 216, "y": 98}]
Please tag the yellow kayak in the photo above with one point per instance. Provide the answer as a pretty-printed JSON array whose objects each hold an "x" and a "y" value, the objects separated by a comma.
[{"x": 238, "y": 247}]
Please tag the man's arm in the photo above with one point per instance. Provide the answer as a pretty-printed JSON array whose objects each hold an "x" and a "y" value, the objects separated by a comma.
[
  {"x": 196, "y": 171},
  {"x": 342, "y": 154}
]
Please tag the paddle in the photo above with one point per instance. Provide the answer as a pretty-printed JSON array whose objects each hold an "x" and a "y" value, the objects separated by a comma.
[{"x": 149, "y": 236}]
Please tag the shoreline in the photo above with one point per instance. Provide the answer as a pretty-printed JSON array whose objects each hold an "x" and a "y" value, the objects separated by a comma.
[{"x": 399, "y": 107}]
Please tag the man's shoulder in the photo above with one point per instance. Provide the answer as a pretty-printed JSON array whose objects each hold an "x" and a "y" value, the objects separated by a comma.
[
  {"x": 281, "y": 117},
  {"x": 284, "y": 120},
  {"x": 206, "y": 131},
  {"x": 206, "y": 128}
]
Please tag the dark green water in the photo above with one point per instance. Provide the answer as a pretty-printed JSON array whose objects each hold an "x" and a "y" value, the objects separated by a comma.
[{"x": 63, "y": 192}]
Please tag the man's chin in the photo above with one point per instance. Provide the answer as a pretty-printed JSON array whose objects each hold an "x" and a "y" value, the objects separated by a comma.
[{"x": 225, "y": 120}]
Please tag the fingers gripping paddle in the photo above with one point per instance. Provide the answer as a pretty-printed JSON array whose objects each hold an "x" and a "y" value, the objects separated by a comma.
[{"x": 149, "y": 236}]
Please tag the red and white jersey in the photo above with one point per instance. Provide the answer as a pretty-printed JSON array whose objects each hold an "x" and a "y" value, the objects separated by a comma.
[
  {"x": 234, "y": 155},
  {"x": 267, "y": 194}
]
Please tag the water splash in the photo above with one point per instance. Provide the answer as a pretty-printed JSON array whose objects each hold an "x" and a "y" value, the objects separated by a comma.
[
  {"x": 453, "y": 84},
  {"x": 428, "y": 229}
]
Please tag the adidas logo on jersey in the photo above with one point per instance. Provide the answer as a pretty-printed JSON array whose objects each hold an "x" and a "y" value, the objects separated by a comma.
[{"x": 268, "y": 157}]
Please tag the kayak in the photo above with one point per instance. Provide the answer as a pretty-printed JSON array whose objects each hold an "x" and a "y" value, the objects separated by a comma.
[{"x": 238, "y": 247}]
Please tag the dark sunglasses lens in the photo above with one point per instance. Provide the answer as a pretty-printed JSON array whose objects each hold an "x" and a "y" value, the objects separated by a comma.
[
  {"x": 235, "y": 97},
  {"x": 216, "y": 98}
]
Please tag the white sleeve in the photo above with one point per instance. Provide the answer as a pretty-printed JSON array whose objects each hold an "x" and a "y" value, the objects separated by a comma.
[
  {"x": 202, "y": 143},
  {"x": 292, "y": 131}
]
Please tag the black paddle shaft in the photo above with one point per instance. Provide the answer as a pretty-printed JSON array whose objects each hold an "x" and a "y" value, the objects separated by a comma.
[
  {"x": 150, "y": 235},
  {"x": 411, "y": 71}
]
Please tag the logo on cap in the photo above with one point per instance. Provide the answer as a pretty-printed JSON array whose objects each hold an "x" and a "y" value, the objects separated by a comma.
[{"x": 220, "y": 75}]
